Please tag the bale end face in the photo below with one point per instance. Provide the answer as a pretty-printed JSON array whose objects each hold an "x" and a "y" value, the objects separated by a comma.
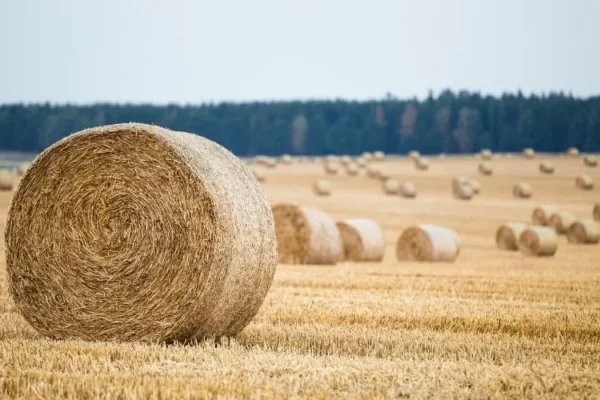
[
  {"x": 538, "y": 241},
  {"x": 584, "y": 232},
  {"x": 362, "y": 240},
  {"x": 507, "y": 235}
]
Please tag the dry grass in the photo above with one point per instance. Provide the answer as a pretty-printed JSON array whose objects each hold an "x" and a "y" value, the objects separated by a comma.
[{"x": 493, "y": 324}]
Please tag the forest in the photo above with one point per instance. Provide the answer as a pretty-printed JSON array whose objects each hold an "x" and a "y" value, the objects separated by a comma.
[{"x": 451, "y": 122}]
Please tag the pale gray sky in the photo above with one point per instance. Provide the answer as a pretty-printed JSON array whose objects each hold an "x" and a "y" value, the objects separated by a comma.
[{"x": 83, "y": 51}]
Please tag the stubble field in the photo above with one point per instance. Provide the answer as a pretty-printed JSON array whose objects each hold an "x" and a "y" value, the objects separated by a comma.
[{"x": 493, "y": 324}]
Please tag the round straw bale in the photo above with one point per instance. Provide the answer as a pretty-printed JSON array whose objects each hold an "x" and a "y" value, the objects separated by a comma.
[
  {"x": 461, "y": 188},
  {"x": 362, "y": 162},
  {"x": 541, "y": 215},
  {"x": 590, "y": 161},
  {"x": 383, "y": 174},
  {"x": 428, "y": 243},
  {"x": 391, "y": 186},
  {"x": 422, "y": 163},
  {"x": 408, "y": 189},
  {"x": 368, "y": 156},
  {"x": 286, "y": 159},
  {"x": 584, "y": 232},
  {"x": 322, "y": 187},
  {"x": 6, "y": 179},
  {"x": 485, "y": 168},
  {"x": 373, "y": 171},
  {"x": 258, "y": 174},
  {"x": 584, "y": 182},
  {"x": 522, "y": 190},
  {"x": 345, "y": 160},
  {"x": 414, "y": 155},
  {"x": 561, "y": 221},
  {"x": 538, "y": 241},
  {"x": 332, "y": 168},
  {"x": 379, "y": 156},
  {"x": 147, "y": 235},
  {"x": 352, "y": 169},
  {"x": 331, "y": 159},
  {"x": 507, "y": 235},
  {"x": 306, "y": 235},
  {"x": 546, "y": 167},
  {"x": 362, "y": 240},
  {"x": 474, "y": 185},
  {"x": 529, "y": 153},
  {"x": 573, "y": 152},
  {"x": 485, "y": 154},
  {"x": 596, "y": 212}
]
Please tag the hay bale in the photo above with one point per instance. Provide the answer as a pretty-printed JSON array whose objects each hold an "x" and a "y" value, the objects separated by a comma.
[
  {"x": 383, "y": 174},
  {"x": 286, "y": 159},
  {"x": 584, "y": 232},
  {"x": 561, "y": 221},
  {"x": 362, "y": 162},
  {"x": 367, "y": 156},
  {"x": 507, "y": 235},
  {"x": 258, "y": 174},
  {"x": 428, "y": 243},
  {"x": 596, "y": 212},
  {"x": 538, "y": 241},
  {"x": 362, "y": 240},
  {"x": 529, "y": 153},
  {"x": 485, "y": 168},
  {"x": 147, "y": 235},
  {"x": 373, "y": 172},
  {"x": 414, "y": 155},
  {"x": 461, "y": 188},
  {"x": 485, "y": 154},
  {"x": 379, "y": 156},
  {"x": 522, "y": 190},
  {"x": 474, "y": 185},
  {"x": 546, "y": 167},
  {"x": 573, "y": 152},
  {"x": 332, "y": 168},
  {"x": 590, "y": 161},
  {"x": 306, "y": 235},
  {"x": 408, "y": 190},
  {"x": 584, "y": 182},
  {"x": 422, "y": 163},
  {"x": 541, "y": 215},
  {"x": 391, "y": 186},
  {"x": 352, "y": 169},
  {"x": 6, "y": 179},
  {"x": 322, "y": 187},
  {"x": 345, "y": 160}
]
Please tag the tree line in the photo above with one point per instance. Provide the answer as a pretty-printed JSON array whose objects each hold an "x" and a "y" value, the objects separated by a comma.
[{"x": 462, "y": 122}]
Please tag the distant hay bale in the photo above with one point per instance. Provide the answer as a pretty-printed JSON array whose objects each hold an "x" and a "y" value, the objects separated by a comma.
[
  {"x": 265, "y": 161},
  {"x": 596, "y": 212},
  {"x": 529, "y": 153},
  {"x": 286, "y": 159},
  {"x": 561, "y": 221},
  {"x": 422, "y": 163},
  {"x": 367, "y": 156},
  {"x": 590, "y": 161},
  {"x": 147, "y": 235},
  {"x": 522, "y": 190},
  {"x": 573, "y": 152},
  {"x": 6, "y": 179},
  {"x": 306, "y": 235},
  {"x": 408, "y": 190},
  {"x": 507, "y": 235},
  {"x": 258, "y": 174},
  {"x": 428, "y": 243},
  {"x": 485, "y": 154},
  {"x": 362, "y": 240},
  {"x": 485, "y": 168},
  {"x": 461, "y": 188},
  {"x": 391, "y": 186},
  {"x": 541, "y": 215},
  {"x": 584, "y": 182},
  {"x": 373, "y": 172},
  {"x": 538, "y": 241},
  {"x": 331, "y": 159},
  {"x": 322, "y": 187},
  {"x": 352, "y": 169},
  {"x": 474, "y": 183},
  {"x": 332, "y": 168},
  {"x": 379, "y": 156},
  {"x": 345, "y": 160},
  {"x": 414, "y": 155},
  {"x": 383, "y": 174},
  {"x": 546, "y": 167},
  {"x": 20, "y": 170},
  {"x": 584, "y": 232},
  {"x": 362, "y": 162}
]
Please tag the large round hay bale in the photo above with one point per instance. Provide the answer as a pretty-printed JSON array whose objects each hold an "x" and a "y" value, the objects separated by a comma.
[
  {"x": 6, "y": 179},
  {"x": 414, "y": 155},
  {"x": 485, "y": 168},
  {"x": 322, "y": 187},
  {"x": 286, "y": 159},
  {"x": 590, "y": 161},
  {"x": 541, "y": 215},
  {"x": 485, "y": 154},
  {"x": 391, "y": 186},
  {"x": 522, "y": 190},
  {"x": 379, "y": 156},
  {"x": 596, "y": 212},
  {"x": 561, "y": 221},
  {"x": 529, "y": 153},
  {"x": 422, "y": 163},
  {"x": 306, "y": 235},
  {"x": 258, "y": 174},
  {"x": 573, "y": 152},
  {"x": 408, "y": 190},
  {"x": 332, "y": 168},
  {"x": 584, "y": 182},
  {"x": 507, "y": 235},
  {"x": 474, "y": 183},
  {"x": 362, "y": 240},
  {"x": 546, "y": 167},
  {"x": 538, "y": 241},
  {"x": 461, "y": 188},
  {"x": 428, "y": 243},
  {"x": 147, "y": 235},
  {"x": 352, "y": 169},
  {"x": 584, "y": 232}
]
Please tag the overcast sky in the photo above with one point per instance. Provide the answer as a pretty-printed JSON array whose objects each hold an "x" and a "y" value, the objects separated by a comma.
[{"x": 83, "y": 51}]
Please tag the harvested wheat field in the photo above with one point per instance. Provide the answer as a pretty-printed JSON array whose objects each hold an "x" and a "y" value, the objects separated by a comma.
[{"x": 492, "y": 324}]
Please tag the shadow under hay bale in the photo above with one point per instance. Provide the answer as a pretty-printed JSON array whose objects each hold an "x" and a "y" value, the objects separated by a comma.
[
  {"x": 362, "y": 240},
  {"x": 428, "y": 243}
]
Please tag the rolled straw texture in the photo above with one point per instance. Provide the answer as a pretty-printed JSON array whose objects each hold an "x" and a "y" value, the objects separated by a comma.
[
  {"x": 522, "y": 190},
  {"x": 147, "y": 235},
  {"x": 507, "y": 235},
  {"x": 428, "y": 243},
  {"x": 306, "y": 235},
  {"x": 362, "y": 240},
  {"x": 541, "y": 215},
  {"x": 584, "y": 232},
  {"x": 6, "y": 179},
  {"x": 584, "y": 182},
  {"x": 561, "y": 221},
  {"x": 538, "y": 241}
]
